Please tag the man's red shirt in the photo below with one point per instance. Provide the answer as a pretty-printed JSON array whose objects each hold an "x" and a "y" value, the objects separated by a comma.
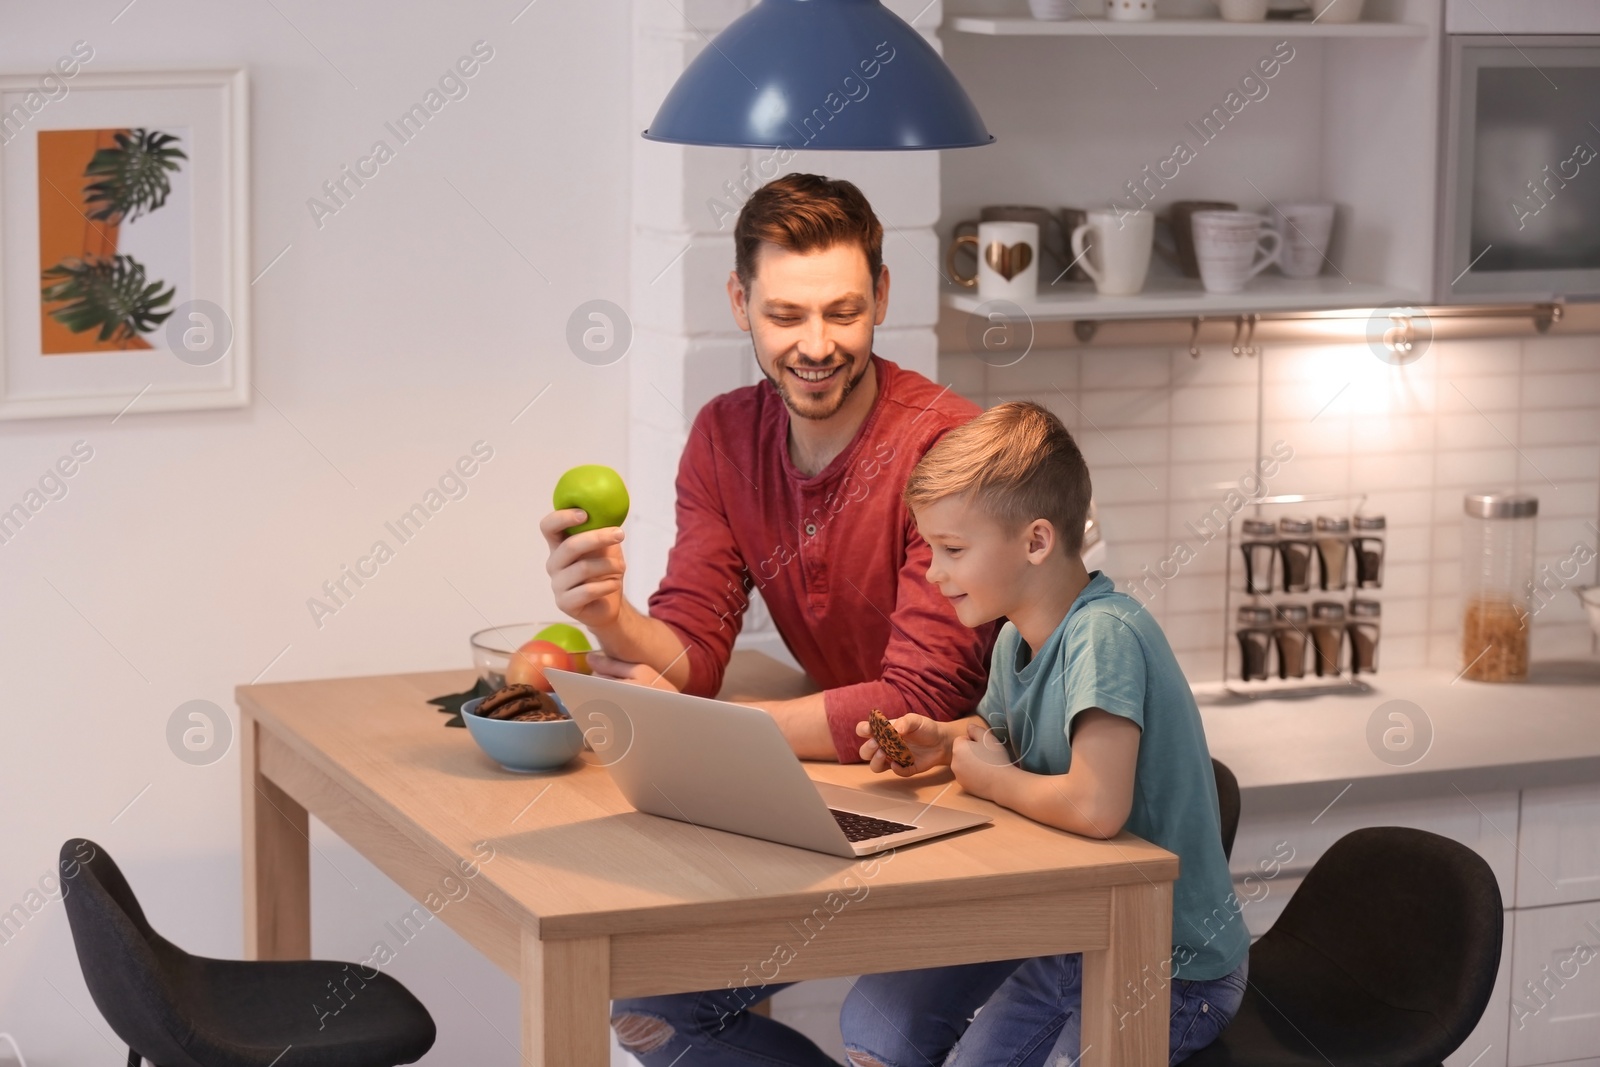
[{"x": 836, "y": 556}]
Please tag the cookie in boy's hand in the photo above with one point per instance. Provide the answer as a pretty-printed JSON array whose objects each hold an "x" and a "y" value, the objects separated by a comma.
[{"x": 888, "y": 738}]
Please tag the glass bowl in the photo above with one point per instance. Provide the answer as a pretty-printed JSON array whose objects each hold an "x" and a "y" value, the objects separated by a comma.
[{"x": 493, "y": 648}]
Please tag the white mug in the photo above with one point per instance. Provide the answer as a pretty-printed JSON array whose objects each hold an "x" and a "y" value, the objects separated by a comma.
[
  {"x": 1226, "y": 244},
  {"x": 1336, "y": 10},
  {"x": 1008, "y": 261},
  {"x": 1243, "y": 10},
  {"x": 1305, "y": 229},
  {"x": 1130, "y": 10},
  {"x": 1118, "y": 246}
]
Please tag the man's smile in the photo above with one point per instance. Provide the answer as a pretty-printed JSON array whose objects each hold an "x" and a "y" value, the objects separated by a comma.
[{"x": 819, "y": 375}]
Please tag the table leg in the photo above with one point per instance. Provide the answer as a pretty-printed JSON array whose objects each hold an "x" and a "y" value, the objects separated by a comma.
[
  {"x": 566, "y": 1002},
  {"x": 1127, "y": 999},
  {"x": 277, "y": 861}
]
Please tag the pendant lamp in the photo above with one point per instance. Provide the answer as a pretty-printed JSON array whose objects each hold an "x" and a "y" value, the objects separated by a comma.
[{"x": 819, "y": 74}]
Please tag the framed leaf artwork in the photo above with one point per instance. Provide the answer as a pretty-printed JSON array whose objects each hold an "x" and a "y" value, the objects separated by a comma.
[{"x": 124, "y": 231}]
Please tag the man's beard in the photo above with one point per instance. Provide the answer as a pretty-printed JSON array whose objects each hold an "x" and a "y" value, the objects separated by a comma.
[{"x": 807, "y": 407}]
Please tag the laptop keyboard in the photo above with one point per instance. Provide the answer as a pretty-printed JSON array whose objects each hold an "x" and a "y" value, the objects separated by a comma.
[{"x": 865, "y": 827}]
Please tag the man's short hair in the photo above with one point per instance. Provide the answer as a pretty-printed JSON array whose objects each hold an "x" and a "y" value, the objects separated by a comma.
[
  {"x": 1017, "y": 463},
  {"x": 805, "y": 213}
]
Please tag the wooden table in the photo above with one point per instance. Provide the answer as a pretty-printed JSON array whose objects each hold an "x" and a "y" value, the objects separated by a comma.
[{"x": 582, "y": 899}]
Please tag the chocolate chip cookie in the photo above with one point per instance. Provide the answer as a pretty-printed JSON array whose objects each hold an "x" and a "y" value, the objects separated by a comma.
[
  {"x": 519, "y": 703},
  {"x": 888, "y": 738}
]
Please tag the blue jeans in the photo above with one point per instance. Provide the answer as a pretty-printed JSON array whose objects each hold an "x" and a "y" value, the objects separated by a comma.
[
  {"x": 716, "y": 1026},
  {"x": 1034, "y": 1018},
  {"x": 932, "y": 1006}
]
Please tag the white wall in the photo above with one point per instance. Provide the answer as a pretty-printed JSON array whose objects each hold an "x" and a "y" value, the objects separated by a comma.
[{"x": 406, "y": 328}]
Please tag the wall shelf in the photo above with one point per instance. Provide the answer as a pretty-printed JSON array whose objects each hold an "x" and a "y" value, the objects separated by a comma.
[
  {"x": 1149, "y": 113},
  {"x": 1174, "y": 297},
  {"x": 1277, "y": 28}
]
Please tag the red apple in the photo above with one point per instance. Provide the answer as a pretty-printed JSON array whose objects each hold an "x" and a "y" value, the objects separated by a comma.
[{"x": 528, "y": 664}]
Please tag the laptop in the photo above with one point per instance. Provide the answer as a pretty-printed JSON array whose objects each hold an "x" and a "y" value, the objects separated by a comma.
[{"x": 712, "y": 763}]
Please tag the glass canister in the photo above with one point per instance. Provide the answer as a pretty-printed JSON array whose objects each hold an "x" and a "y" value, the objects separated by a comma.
[
  {"x": 1295, "y": 548},
  {"x": 1333, "y": 550},
  {"x": 1497, "y": 546},
  {"x": 1327, "y": 637},
  {"x": 1255, "y": 642},
  {"x": 1368, "y": 546},
  {"x": 1364, "y": 632},
  {"x": 1292, "y": 640},
  {"x": 1259, "y": 543}
]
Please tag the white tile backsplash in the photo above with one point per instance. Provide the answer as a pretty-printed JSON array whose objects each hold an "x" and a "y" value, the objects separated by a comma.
[
  {"x": 1495, "y": 393},
  {"x": 1213, "y": 404},
  {"x": 1470, "y": 430},
  {"x": 1575, "y": 427},
  {"x": 1111, "y": 409},
  {"x": 1133, "y": 369},
  {"x": 1562, "y": 464},
  {"x": 1476, "y": 467},
  {"x": 1166, "y": 436},
  {"x": 1561, "y": 391},
  {"x": 1550, "y": 355}
]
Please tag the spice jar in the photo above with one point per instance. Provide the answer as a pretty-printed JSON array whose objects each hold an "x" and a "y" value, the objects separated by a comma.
[
  {"x": 1327, "y": 636},
  {"x": 1259, "y": 543},
  {"x": 1497, "y": 543},
  {"x": 1363, "y": 627},
  {"x": 1368, "y": 546},
  {"x": 1294, "y": 547},
  {"x": 1333, "y": 549},
  {"x": 1292, "y": 639},
  {"x": 1255, "y": 640}
]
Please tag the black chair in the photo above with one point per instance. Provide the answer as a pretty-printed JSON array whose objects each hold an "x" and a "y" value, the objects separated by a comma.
[
  {"x": 178, "y": 1010},
  {"x": 1384, "y": 957},
  {"x": 1227, "y": 803}
]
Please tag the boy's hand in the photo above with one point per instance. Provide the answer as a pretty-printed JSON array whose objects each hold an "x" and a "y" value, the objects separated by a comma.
[
  {"x": 926, "y": 738},
  {"x": 978, "y": 760}
]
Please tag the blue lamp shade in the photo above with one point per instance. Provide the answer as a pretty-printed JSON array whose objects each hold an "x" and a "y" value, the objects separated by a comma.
[{"x": 819, "y": 74}]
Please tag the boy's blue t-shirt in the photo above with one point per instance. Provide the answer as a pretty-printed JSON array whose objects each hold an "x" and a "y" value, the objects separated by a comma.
[{"x": 1108, "y": 653}]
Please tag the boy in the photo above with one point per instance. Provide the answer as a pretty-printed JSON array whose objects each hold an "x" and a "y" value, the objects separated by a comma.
[{"x": 1087, "y": 725}]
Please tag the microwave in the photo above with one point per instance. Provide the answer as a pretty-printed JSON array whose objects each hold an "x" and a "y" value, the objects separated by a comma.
[{"x": 1519, "y": 214}]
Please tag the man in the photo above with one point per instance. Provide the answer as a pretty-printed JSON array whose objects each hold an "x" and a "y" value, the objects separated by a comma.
[{"x": 791, "y": 486}]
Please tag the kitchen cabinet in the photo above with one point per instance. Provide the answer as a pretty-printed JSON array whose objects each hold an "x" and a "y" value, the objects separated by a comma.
[
  {"x": 1091, "y": 114},
  {"x": 1560, "y": 843},
  {"x": 1555, "y": 985}
]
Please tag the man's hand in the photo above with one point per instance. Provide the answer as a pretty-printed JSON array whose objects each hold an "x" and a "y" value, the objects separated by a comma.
[
  {"x": 928, "y": 739},
  {"x": 804, "y": 723},
  {"x": 585, "y": 569},
  {"x": 637, "y": 673},
  {"x": 979, "y": 760}
]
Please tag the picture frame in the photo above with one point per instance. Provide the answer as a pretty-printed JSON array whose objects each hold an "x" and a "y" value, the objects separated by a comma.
[{"x": 124, "y": 241}]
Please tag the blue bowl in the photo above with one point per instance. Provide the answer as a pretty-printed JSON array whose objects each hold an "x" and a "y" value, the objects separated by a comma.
[{"x": 524, "y": 746}]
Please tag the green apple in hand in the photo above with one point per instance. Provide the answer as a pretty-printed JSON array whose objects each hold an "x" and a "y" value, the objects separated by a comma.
[{"x": 598, "y": 490}]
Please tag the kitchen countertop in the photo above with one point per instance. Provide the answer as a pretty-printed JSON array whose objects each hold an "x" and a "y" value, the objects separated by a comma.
[
  {"x": 1299, "y": 751},
  {"x": 1485, "y": 736}
]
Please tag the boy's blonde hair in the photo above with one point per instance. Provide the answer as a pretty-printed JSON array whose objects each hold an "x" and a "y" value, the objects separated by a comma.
[{"x": 1017, "y": 463}]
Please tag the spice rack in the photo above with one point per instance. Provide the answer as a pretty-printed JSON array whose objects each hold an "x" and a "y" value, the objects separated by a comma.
[{"x": 1301, "y": 611}]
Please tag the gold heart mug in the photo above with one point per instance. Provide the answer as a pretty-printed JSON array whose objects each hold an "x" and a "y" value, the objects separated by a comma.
[{"x": 1008, "y": 261}]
